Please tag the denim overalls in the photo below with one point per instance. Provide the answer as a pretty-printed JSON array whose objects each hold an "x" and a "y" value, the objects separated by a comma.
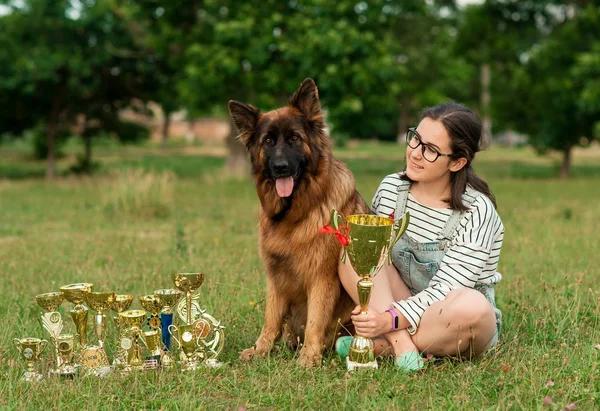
[{"x": 417, "y": 263}]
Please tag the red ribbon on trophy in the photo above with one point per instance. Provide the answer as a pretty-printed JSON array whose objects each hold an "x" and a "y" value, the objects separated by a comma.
[{"x": 341, "y": 233}]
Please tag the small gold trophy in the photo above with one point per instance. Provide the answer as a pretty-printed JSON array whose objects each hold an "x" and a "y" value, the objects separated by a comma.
[
  {"x": 188, "y": 282},
  {"x": 30, "y": 349},
  {"x": 167, "y": 299},
  {"x": 186, "y": 336},
  {"x": 153, "y": 341},
  {"x": 52, "y": 320},
  {"x": 94, "y": 357},
  {"x": 369, "y": 241},
  {"x": 121, "y": 303},
  {"x": 75, "y": 294},
  {"x": 132, "y": 338},
  {"x": 151, "y": 304},
  {"x": 65, "y": 344}
]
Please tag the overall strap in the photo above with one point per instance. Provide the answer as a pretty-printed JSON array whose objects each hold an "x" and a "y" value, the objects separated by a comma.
[
  {"x": 402, "y": 190},
  {"x": 468, "y": 198}
]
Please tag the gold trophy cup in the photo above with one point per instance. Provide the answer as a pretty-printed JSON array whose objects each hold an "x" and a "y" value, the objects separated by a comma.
[
  {"x": 75, "y": 294},
  {"x": 65, "y": 346},
  {"x": 188, "y": 282},
  {"x": 187, "y": 337},
  {"x": 100, "y": 302},
  {"x": 121, "y": 303},
  {"x": 151, "y": 304},
  {"x": 132, "y": 337},
  {"x": 167, "y": 299},
  {"x": 369, "y": 241},
  {"x": 153, "y": 341},
  {"x": 31, "y": 349},
  {"x": 93, "y": 357},
  {"x": 52, "y": 320}
]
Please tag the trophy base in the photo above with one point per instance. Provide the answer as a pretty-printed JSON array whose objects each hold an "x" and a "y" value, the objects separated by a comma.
[
  {"x": 65, "y": 372},
  {"x": 353, "y": 365},
  {"x": 99, "y": 372},
  {"x": 32, "y": 377},
  {"x": 213, "y": 363},
  {"x": 189, "y": 366}
]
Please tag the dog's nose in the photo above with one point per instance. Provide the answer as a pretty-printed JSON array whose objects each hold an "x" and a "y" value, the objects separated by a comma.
[{"x": 280, "y": 167}]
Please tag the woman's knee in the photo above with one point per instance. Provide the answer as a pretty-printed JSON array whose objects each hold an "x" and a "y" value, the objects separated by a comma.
[{"x": 469, "y": 308}]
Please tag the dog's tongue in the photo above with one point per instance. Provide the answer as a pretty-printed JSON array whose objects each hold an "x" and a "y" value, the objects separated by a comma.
[{"x": 284, "y": 186}]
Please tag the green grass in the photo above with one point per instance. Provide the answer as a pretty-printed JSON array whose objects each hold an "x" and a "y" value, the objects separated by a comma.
[{"x": 59, "y": 232}]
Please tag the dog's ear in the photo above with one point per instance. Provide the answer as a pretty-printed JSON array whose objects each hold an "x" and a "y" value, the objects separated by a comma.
[
  {"x": 245, "y": 118},
  {"x": 306, "y": 99}
]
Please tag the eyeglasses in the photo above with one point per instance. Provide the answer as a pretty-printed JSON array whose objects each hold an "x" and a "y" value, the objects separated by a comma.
[{"x": 413, "y": 139}]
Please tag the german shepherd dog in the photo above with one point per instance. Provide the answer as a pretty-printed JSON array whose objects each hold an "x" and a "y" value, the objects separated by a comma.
[{"x": 298, "y": 182}]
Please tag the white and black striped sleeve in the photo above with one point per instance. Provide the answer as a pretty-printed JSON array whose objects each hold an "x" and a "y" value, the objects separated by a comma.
[{"x": 474, "y": 248}]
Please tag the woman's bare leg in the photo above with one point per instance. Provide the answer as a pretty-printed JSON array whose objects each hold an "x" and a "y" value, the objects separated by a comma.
[{"x": 462, "y": 325}]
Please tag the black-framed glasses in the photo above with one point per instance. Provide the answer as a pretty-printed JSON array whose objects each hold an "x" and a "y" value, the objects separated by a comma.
[{"x": 413, "y": 139}]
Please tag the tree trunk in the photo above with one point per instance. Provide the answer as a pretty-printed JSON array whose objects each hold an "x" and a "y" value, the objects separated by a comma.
[
  {"x": 236, "y": 163},
  {"x": 51, "y": 127},
  {"x": 486, "y": 121},
  {"x": 402, "y": 123},
  {"x": 51, "y": 139},
  {"x": 165, "y": 129},
  {"x": 86, "y": 164},
  {"x": 565, "y": 167}
]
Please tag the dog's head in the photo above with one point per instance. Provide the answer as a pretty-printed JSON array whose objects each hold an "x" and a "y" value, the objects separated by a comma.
[{"x": 286, "y": 143}]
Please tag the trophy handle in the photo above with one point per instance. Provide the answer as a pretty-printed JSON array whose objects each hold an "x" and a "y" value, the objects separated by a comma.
[
  {"x": 335, "y": 220},
  {"x": 17, "y": 344},
  {"x": 43, "y": 345},
  {"x": 215, "y": 345},
  {"x": 174, "y": 331},
  {"x": 401, "y": 226}
]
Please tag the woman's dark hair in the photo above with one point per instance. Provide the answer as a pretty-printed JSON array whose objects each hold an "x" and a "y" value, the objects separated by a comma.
[{"x": 466, "y": 135}]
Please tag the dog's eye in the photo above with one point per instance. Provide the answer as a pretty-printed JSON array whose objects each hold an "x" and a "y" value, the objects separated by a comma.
[
  {"x": 294, "y": 137},
  {"x": 268, "y": 141}
]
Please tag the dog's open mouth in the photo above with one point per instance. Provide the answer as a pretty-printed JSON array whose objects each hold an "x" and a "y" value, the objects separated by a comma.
[{"x": 284, "y": 186}]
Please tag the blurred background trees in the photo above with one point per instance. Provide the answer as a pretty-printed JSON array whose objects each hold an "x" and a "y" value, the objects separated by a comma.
[{"x": 72, "y": 67}]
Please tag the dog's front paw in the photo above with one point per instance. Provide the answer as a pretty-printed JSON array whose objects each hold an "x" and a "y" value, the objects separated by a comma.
[
  {"x": 255, "y": 351},
  {"x": 309, "y": 358},
  {"x": 248, "y": 354}
]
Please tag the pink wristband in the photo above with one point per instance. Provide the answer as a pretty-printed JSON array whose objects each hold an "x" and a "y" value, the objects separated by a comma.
[{"x": 395, "y": 319}]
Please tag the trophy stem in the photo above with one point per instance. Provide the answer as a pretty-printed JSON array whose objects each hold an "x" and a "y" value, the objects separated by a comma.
[
  {"x": 188, "y": 302},
  {"x": 364, "y": 287},
  {"x": 99, "y": 327},
  {"x": 79, "y": 314},
  {"x": 362, "y": 349}
]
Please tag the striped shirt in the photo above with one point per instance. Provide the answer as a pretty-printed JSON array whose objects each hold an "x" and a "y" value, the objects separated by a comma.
[{"x": 472, "y": 255}]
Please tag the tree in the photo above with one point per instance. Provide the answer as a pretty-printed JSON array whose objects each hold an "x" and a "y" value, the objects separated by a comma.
[
  {"x": 557, "y": 86},
  {"x": 68, "y": 63}
]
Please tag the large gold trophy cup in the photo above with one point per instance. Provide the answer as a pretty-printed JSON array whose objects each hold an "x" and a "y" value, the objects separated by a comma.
[{"x": 369, "y": 239}]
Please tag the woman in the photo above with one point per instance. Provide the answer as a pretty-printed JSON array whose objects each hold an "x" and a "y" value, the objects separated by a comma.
[{"x": 438, "y": 295}]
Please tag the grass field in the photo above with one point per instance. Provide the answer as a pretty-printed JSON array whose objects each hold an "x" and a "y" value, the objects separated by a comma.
[{"x": 147, "y": 214}]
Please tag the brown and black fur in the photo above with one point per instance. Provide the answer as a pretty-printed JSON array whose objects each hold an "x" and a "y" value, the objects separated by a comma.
[{"x": 305, "y": 298}]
